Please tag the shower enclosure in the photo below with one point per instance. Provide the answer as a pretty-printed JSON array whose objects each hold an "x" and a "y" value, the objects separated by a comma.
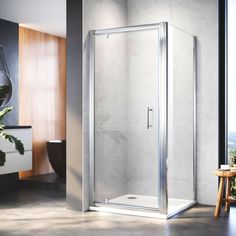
[{"x": 142, "y": 120}]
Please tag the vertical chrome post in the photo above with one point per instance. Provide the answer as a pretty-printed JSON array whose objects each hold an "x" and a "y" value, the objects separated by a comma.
[
  {"x": 91, "y": 115},
  {"x": 226, "y": 87},
  {"x": 163, "y": 118},
  {"x": 195, "y": 118}
]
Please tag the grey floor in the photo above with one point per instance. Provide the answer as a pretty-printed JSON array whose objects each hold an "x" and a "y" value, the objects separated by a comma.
[{"x": 40, "y": 211}]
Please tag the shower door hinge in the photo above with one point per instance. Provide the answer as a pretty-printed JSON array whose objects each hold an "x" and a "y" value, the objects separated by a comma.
[{"x": 149, "y": 123}]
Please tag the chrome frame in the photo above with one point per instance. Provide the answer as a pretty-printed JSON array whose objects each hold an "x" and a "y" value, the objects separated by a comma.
[
  {"x": 163, "y": 118},
  {"x": 195, "y": 118},
  {"x": 126, "y": 29},
  {"x": 91, "y": 116},
  {"x": 126, "y": 206},
  {"x": 92, "y": 34},
  {"x": 226, "y": 85},
  {"x": 163, "y": 106}
]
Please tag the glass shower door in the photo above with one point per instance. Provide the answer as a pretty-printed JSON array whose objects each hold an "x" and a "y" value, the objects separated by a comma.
[{"x": 125, "y": 162}]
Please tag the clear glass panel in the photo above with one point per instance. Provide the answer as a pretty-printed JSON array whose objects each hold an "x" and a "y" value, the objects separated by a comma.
[
  {"x": 180, "y": 119},
  {"x": 126, "y": 79}
]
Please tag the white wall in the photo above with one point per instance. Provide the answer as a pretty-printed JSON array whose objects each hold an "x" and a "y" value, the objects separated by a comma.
[{"x": 45, "y": 16}]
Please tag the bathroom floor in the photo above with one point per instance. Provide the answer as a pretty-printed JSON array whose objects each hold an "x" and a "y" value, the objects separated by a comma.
[
  {"x": 39, "y": 212},
  {"x": 46, "y": 181}
]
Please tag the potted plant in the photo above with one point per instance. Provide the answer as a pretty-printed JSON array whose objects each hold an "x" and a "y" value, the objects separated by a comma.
[
  {"x": 232, "y": 162},
  {"x": 4, "y": 90},
  {"x": 232, "y": 157}
]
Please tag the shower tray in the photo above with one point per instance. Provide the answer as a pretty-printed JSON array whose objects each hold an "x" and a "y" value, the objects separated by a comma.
[{"x": 141, "y": 205}]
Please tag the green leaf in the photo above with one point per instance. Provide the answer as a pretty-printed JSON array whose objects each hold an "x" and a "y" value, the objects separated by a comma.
[
  {"x": 2, "y": 127},
  {"x": 2, "y": 158},
  {"x": 4, "y": 112},
  {"x": 18, "y": 144}
]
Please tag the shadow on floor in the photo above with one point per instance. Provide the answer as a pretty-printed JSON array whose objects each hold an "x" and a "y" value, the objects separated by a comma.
[{"x": 48, "y": 181}]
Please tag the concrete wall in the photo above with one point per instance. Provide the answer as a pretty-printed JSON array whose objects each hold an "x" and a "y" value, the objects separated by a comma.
[
  {"x": 74, "y": 124},
  {"x": 125, "y": 151},
  {"x": 200, "y": 18},
  {"x": 111, "y": 93}
]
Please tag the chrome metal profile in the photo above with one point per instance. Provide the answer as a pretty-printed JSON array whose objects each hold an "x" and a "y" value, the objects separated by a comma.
[
  {"x": 126, "y": 206},
  {"x": 195, "y": 117},
  {"x": 126, "y": 29},
  {"x": 91, "y": 115},
  {"x": 226, "y": 85},
  {"x": 163, "y": 118}
]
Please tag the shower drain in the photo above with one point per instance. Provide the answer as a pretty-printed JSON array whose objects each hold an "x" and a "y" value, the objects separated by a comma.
[{"x": 132, "y": 197}]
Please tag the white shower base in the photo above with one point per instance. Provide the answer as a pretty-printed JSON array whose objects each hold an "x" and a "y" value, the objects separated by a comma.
[{"x": 128, "y": 203}]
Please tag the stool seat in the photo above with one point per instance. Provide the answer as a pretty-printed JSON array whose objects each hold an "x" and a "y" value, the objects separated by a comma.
[{"x": 224, "y": 174}]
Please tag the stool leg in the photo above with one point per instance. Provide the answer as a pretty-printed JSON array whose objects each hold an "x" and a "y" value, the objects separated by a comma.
[
  {"x": 227, "y": 202},
  {"x": 219, "y": 198}
]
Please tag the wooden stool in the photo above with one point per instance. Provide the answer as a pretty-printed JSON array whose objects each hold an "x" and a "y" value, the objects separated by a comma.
[{"x": 224, "y": 174}]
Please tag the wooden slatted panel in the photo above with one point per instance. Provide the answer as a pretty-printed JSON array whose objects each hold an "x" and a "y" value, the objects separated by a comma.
[{"x": 42, "y": 92}]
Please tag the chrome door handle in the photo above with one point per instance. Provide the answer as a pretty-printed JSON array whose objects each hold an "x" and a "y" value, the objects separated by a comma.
[{"x": 149, "y": 109}]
